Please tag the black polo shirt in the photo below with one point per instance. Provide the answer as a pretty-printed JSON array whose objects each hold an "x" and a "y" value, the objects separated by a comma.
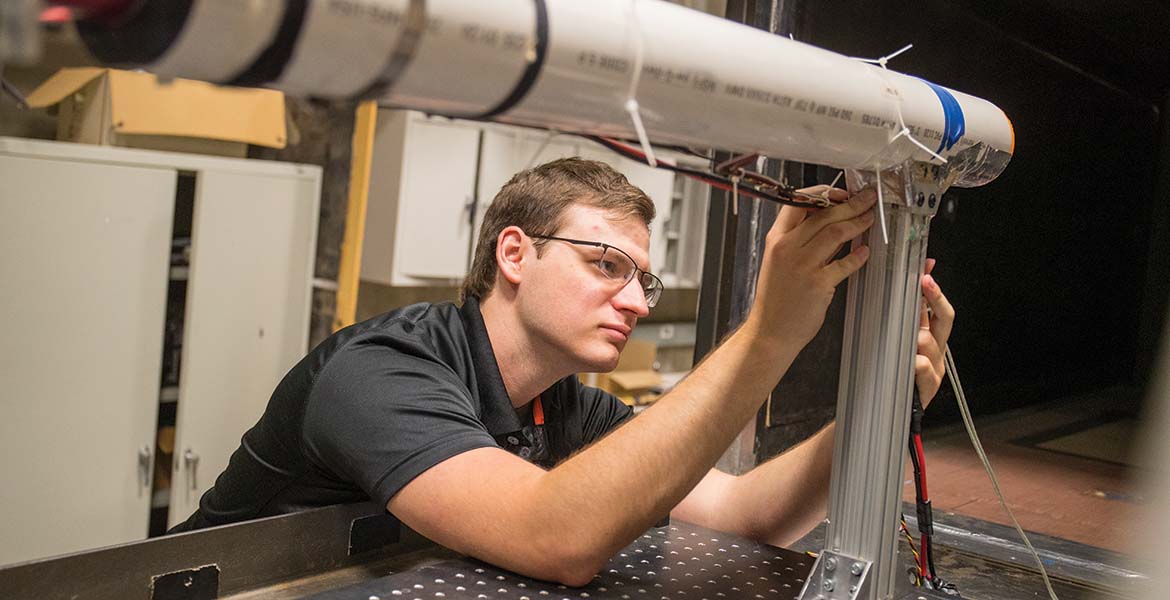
[{"x": 378, "y": 403}]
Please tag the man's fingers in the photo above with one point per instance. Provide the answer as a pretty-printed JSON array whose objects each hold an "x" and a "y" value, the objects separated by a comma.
[
  {"x": 927, "y": 379},
  {"x": 943, "y": 317},
  {"x": 818, "y": 219},
  {"x": 839, "y": 270},
  {"x": 828, "y": 240},
  {"x": 835, "y": 195},
  {"x": 790, "y": 217},
  {"x": 928, "y": 347}
]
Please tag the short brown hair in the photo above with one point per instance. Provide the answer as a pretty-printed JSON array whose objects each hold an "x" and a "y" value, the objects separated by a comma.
[{"x": 535, "y": 200}]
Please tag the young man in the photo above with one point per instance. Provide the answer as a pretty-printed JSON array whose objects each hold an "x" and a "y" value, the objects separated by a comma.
[{"x": 469, "y": 424}]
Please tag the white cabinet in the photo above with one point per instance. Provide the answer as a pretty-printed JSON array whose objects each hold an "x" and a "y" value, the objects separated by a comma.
[
  {"x": 422, "y": 186},
  {"x": 428, "y": 174},
  {"x": 84, "y": 267},
  {"x": 85, "y": 253},
  {"x": 509, "y": 150},
  {"x": 248, "y": 299}
]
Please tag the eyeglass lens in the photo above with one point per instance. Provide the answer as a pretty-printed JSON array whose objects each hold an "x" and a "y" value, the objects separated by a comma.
[{"x": 616, "y": 265}]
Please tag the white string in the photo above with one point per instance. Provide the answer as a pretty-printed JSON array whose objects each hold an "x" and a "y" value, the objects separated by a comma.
[
  {"x": 631, "y": 97},
  {"x": 877, "y": 169},
  {"x": 969, "y": 423}
]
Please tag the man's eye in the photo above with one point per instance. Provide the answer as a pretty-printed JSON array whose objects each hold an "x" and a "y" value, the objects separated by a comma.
[{"x": 609, "y": 267}]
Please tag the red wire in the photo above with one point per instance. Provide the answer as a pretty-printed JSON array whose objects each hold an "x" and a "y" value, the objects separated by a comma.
[
  {"x": 921, "y": 466},
  {"x": 95, "y": 5},
  {"x": 90, "y": 8},
  {"x": 56, "y": 14}
]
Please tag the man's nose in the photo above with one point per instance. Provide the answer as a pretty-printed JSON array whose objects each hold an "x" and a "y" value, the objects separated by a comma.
[{"x": 632, "y": 298}]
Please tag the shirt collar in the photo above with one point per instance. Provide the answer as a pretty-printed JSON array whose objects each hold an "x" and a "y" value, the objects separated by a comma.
[{"x": 499, "y": 416}]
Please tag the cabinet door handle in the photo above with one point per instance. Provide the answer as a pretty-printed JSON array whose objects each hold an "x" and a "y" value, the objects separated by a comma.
[
  {"x": 470, "y": 205},
  {"x": 144, "y": 466},
  {"x": 192, "y": 461}
]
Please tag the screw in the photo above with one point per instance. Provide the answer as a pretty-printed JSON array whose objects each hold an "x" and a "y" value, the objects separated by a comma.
[
  {"x": 932, "y": 200},
  {"x": 856, "y": 568},
  {"x": 921, "y": 199},
  {"x": 830, "y": 563},
  {"x": 828, "y": 585},
  {"x": 852, "y": 589}
]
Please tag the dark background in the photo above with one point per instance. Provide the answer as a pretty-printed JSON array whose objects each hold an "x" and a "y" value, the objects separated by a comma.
[{"x": 1059, "y": 269}]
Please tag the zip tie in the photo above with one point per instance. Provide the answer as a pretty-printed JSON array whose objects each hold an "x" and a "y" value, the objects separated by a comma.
[
  {"x": 631, "y": 97},
  {"x": 905, "y": 131},
  {"x": 825, "y": 192},
  {"x": 735, "y": 195},
  {"x": 883, "y": 60},
  {"x": 881, "y": 210}
]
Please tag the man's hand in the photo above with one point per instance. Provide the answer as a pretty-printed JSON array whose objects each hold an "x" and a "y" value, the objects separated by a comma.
[
  {"x": 933, "y": 332},
  {"x": 798, "y": 275}
]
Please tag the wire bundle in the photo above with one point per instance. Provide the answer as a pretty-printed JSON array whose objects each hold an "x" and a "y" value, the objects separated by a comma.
[
  {"x": 924, "y": 556},
  {"x": 751, "y": 184}
]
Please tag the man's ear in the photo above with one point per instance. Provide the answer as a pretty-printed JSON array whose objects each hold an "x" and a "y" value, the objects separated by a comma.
[{"x": 510, "y": 249}]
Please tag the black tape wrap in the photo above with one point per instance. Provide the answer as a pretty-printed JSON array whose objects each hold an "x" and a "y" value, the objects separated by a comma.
[
  {"x": 414, "y": 23},
  {"x": 528, "y": 79},
  {"x": 925, "y": 518},
  {"x": 141, "y": 38},
  {"x": 272, "y": 61}
]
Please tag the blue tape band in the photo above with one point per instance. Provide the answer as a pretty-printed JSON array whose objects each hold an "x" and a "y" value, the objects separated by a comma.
[{"x": 953, "y": 124}]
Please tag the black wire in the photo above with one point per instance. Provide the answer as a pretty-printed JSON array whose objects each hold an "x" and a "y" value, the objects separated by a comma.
[{"x": 785, "y": 194}]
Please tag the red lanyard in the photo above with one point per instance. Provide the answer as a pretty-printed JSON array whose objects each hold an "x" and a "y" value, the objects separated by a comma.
[{"x": 537, "y": 412}]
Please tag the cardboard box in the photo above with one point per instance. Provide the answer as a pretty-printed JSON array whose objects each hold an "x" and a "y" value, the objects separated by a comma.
[
  {"x": 634, "y": 380},
  {"x": 133, "y": 109}
]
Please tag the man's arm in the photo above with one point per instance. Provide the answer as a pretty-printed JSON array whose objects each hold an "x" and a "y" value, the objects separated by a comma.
[
  {"x": 782, "y": 499},
  {"x": 564, "y": 524}
]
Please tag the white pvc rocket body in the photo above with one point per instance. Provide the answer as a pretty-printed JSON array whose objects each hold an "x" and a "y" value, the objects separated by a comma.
[{"x": 697, "y": 80}]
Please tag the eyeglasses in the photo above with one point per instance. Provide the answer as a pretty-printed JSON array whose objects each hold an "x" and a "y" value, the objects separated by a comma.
[{"x": 618, "y": 266}]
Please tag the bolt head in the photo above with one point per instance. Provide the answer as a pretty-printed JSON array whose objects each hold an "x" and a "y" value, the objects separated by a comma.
[
  {"x": 828, "y": 585},
  {"x": 856, "y": 568},
  {"x": 830, "y": 563}
]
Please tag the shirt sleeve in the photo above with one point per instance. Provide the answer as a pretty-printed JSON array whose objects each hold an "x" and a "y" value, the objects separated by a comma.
[
  {"x": 601, "y": 412},
  {"x": 384, "y": 410}
]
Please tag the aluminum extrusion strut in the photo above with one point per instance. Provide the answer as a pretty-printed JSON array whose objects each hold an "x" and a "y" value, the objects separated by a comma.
[{"x": 860, "y": 559}]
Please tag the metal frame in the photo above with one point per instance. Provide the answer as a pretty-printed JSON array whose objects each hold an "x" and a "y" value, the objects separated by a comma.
[
  {"x": 245, "y": 555},
  {"x": 877, "y": 381}
]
